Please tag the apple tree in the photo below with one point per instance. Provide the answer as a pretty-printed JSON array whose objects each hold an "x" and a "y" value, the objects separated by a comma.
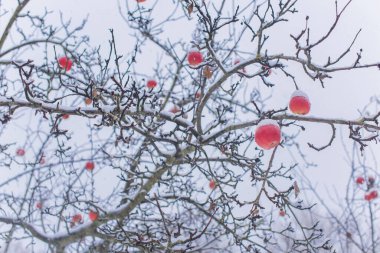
[{"x": 183, "y": 142}]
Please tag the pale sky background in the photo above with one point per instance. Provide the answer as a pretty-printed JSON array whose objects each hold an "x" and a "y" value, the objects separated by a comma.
[{"x": 343, "y": 96}]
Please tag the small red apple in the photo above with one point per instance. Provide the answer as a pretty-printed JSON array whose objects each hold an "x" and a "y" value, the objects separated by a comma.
[
  {"x": 20, "y": 152},
  {"x": 77, "y": 218},
  {"x": 175, "y": 109},
  {"x": 38, "y": 205},
  {"x": 299, "y": 103},
  {"x": 93, "y": 216},
  {"x": 90, "y": 166},
  {"x": 65, "y": 116},
  {"x": 360, "y": 180},
  {"x": 282, "y": 213},
  {"x": 151, "y": 84},
  {"x": 212, "y": 184},
  {"x": 88, "y": 101},
  {"x": 373, "y": 194},
  {"x": 140, "y": 1},
  {"x": 65, "y": 63},
  {"x": 194, "y": 58},
  {"x": 268, "y": 134}
]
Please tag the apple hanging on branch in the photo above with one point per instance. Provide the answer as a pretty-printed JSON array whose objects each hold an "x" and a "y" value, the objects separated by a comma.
[
  {"x": 90, "y": 166},
  {"x": 93, "y": 215},
  {"x": 194, "y": 58},
  {"x": 65, "y": 63},
  {"x": 268, "y": 134},
  {"x": 151, "y": 84},
  {"x": 299, "y": 103}
]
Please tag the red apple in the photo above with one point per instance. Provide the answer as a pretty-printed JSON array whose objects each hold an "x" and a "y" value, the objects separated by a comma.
[
  {"x": 282, "y": 213},
  {"x": 268, "y": 134},
  {"x": 299, "y": 103},
  {"x": 194, "y": 58},
  {"x": 77, "y": 218},
  {"x": 65, "y": 116},
  {"x": 198, "y": 95},
  {"x": 175, "y": 109},
  {"x": 93, "y": 216},
  {"x": 20, "y": 152},
  {"x": 212, "y": 184},
  {"x": 38, "y": 205},
  {"x": 140, "y": 1},
  {"x": 360, "y": 180},
  {"x": 90, "y": 166},
  {"x": 65, "y": 63},
  {"x": 373, "y": 194},
  {"x": 151, "y": 84},
  {"x": 88, "y": 101}
]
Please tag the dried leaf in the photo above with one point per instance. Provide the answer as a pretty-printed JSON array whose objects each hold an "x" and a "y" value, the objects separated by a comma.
[
  {"x": 190, "y": 8},
  {"x": 95, "y": 93},
  {"x": 207, "y": 72},
  {"x": 296, "y": 189},
  {"x": 212, "y": 206}
]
